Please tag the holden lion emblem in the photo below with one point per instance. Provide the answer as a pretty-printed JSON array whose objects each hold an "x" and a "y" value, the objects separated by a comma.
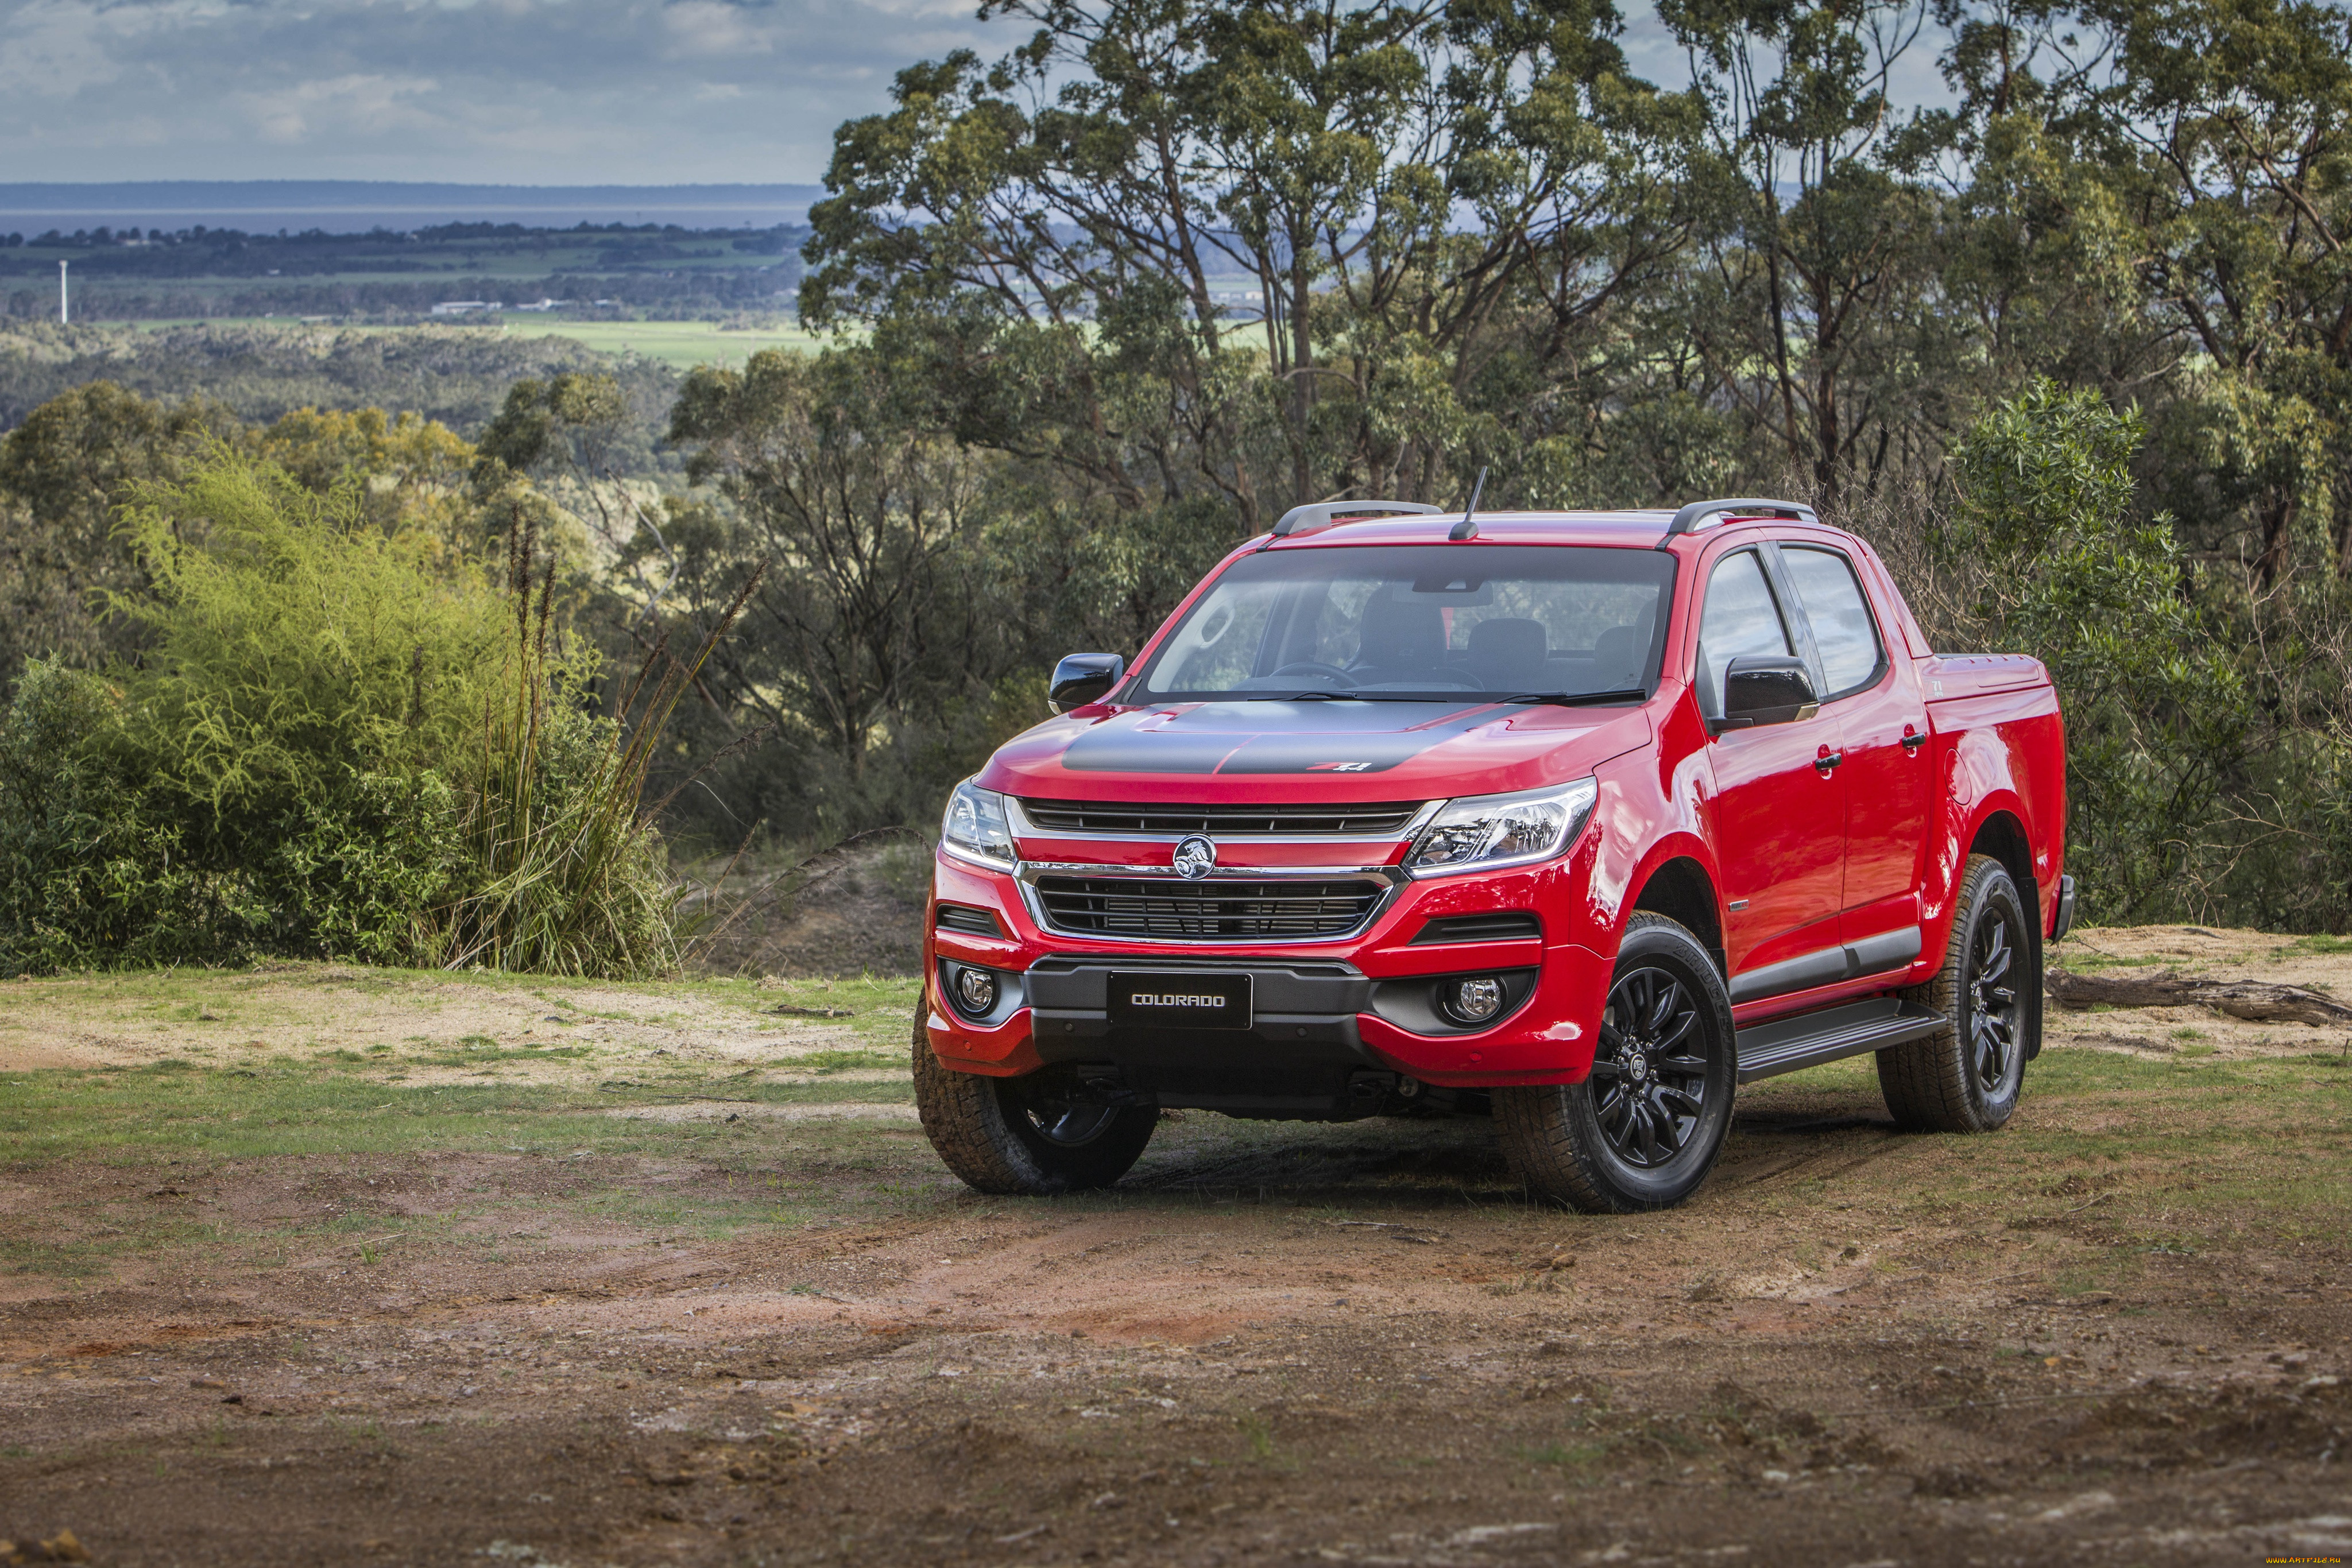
[{"x": 1194, "y": 857}]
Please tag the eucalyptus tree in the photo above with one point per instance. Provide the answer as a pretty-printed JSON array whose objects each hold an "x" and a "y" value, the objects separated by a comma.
[
  {"x": 1816, "y": 307},
  {"x": 1212, "y": 261},
  {"x": 864, "y": 537},
  {"x": 2238, "y": 122}
]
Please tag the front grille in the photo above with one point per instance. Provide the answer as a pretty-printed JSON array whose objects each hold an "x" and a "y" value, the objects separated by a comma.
[
  {"x": 1371, "y": 819},
  {"x": 1206, "y": 911}
]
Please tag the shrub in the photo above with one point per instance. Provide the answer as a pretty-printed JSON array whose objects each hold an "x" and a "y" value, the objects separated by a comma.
[{"x": 344, "y": 742}]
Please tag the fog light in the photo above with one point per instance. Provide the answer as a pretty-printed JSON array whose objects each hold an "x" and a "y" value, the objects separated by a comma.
[
  {"x": 1474, "y": 1002},
  {"x": 976, "y": 991}
]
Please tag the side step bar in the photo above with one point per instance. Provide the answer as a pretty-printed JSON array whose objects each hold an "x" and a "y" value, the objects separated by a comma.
[{"x": 1785, "y": 1045}]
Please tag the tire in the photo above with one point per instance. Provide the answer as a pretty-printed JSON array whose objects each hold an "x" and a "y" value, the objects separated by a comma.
[
  {"x": 1632, "y": 1137},
  {"x": 1015, "y": 1137},
  {"x": 1966, "y": 1078}
]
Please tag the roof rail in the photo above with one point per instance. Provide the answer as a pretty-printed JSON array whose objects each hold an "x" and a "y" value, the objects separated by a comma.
[
  {"x": 1699, "y": 514},
  {"x": 1320, "y": 512}
]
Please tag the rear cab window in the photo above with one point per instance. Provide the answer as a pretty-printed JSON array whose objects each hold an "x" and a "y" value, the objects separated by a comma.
[{"x": 1845, "y": 633}]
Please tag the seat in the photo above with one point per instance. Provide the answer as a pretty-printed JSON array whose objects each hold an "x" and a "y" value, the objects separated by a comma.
[
  {"x": 1508, "y": 655},
  {"x": 1618, "y": 653},
  {"x": 1399, "y": 643}
]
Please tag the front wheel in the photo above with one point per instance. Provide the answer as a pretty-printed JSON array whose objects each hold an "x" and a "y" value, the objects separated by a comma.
[
  {"x": 1644, "y": 1128},
  {"x": 1966, "y": 1078},
  {"x": 1028, "y": 1137}
]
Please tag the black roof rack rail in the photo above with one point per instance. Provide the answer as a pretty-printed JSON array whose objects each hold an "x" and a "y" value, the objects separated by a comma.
[
  {"x": 1315, "y": 512},
  {"x": 1699, "y": 514}
]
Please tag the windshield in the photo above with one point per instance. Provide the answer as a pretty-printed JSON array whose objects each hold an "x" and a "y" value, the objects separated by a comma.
[{"x": 1424, "y": 623}]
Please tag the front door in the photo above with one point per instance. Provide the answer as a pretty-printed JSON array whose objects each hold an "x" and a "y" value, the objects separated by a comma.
[{"x": 1780, "y": 815}]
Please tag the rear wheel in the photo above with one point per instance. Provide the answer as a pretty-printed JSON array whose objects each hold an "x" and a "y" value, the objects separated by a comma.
[
  {"x": 1644, "y": 1128},
  {"x": 1967, "y": 1078},
  {"x": 1030, "y": 1136}
]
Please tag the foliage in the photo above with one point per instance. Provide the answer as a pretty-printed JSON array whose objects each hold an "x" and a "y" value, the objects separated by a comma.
[
  {"x": 455, "y": 375},
  {"x": 73, "y": 573},
  {"x": 63, "y": 472},
  {"x": 341, "y": 741},
  {"x": 293, "y": 646},
  {"x": 2075, "y": 347},
  {"x": 2155, "y": 704}
]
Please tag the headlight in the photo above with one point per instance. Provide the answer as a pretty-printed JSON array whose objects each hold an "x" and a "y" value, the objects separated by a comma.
[
  {"x": 1481, "y": 832},
  {"x": 974, "y": 828}
]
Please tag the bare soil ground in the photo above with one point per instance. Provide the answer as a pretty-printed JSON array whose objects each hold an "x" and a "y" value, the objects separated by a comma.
[{"x": 330, "y": 1266}]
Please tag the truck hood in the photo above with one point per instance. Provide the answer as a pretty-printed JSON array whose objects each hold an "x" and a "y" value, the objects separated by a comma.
[{"x": 1204, "y": 752}]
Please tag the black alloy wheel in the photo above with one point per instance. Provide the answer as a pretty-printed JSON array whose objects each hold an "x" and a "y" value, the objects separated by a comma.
[
  {"x": 1645, "y": 1127},
  {"x": 1651, "y": 1091},
  {"x": 1967, "y": 1076},
  {"x": 1046, "y": 1104},
  {"x": 1992, "y": 1010}
]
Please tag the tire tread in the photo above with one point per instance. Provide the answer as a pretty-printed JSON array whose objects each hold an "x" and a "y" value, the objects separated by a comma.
[
  {"x": 1926, "y": 1081},
  {"x": 963, "y": 1116}
]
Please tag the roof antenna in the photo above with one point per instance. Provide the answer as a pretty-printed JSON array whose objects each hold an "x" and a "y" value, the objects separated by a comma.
[{"x": 1467, "y": 528}]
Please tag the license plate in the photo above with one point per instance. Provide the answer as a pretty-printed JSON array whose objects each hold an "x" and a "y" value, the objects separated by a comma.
[{"x": 1181, "y": 1002}]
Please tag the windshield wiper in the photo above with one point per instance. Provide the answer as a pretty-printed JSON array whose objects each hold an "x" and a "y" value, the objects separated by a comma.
[
  {"x": 1578, "y": 699},
  {"x": 1316, "y": 697}
]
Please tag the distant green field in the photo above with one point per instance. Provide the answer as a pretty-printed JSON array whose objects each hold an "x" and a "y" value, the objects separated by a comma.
[
  {"x": 684, "y": 344},
  {"x": 681, "y": 344}
]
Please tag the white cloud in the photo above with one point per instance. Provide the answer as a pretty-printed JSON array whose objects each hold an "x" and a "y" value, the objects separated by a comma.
[{"x": 712, "y": 29}]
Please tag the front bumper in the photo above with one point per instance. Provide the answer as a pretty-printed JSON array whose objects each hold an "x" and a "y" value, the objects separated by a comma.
[{"x": 1338, "y": 1024}]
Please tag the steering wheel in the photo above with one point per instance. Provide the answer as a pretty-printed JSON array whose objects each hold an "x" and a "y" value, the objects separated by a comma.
[{"x": 1312, "y": 667}]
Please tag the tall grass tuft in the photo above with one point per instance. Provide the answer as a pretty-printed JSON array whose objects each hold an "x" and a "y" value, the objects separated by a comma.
[{"x": 568, "y": 872}]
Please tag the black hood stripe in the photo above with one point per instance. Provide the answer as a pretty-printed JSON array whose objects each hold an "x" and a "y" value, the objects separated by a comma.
[{"x": 1264, "y": 737}]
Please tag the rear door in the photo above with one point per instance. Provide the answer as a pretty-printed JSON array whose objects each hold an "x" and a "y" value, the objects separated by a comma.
[
  {"x": 1779, "y": 819},
  {"x": 1882, "y": 720}
]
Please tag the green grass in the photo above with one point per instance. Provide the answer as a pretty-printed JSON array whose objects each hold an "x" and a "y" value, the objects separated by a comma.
[
  {"x": 281, "y": 1107},
  {"x": 881, "y": 1007},
  {"x": 2193, "y": 1150},
  {"x": 2113, "y": 1165}
]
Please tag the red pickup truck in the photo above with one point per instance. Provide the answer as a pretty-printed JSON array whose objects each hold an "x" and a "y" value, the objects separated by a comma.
[{"x": 1580, "y": 820}]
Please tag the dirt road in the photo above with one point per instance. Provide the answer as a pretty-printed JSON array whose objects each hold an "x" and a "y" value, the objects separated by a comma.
[{"x": 271, "y": 1307}]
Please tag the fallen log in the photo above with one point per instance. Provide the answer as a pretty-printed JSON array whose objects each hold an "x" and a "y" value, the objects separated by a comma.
[{"x": 2256, "y": 1001}]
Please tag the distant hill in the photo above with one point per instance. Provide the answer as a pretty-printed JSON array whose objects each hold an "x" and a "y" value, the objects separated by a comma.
[{"x": 355, "y": 206}]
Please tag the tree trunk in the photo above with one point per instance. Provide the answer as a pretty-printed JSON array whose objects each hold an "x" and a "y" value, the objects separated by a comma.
[{"x": 2254, "y": 1000}]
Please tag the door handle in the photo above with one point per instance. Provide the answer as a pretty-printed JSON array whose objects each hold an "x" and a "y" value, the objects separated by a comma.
[
  {"x": 1914, "y": 742},
  {"x": 1822, "y": 765}
]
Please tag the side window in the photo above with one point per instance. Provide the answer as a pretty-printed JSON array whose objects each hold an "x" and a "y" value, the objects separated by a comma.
[
  {"x": 1833, "y": 603},
  {"x": 1739, "y": 619}
]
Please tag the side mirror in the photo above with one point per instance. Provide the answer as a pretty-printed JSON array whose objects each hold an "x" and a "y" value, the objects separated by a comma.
[
  {"x": 1766, "y": 689},
  {"x": 1083, "y": 678}
]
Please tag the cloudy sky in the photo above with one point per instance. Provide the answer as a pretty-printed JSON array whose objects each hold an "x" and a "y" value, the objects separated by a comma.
[
  {"x": 525, "y": 92},
  {"x": 476, "y": 91}
]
